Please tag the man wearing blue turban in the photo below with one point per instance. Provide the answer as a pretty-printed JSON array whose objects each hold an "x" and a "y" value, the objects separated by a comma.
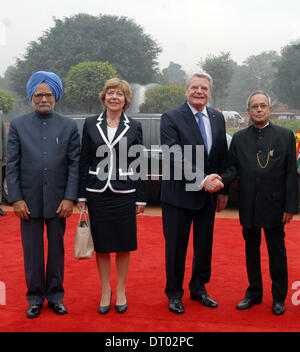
[
  {"x": 50, "y": 79},
  {"x": 43, "y": 150}
]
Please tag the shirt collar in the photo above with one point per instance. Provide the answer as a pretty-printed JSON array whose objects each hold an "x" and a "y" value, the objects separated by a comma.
[
  {"x": 194, "y": 111},
  {"x": 261, "y": 128},
  {"x": 266, "y": 125}
]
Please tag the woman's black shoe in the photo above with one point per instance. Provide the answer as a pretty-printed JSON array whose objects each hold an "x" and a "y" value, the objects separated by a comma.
[
  {"x": 122, "y": 308},
  {"x": 105, "y": 309}
]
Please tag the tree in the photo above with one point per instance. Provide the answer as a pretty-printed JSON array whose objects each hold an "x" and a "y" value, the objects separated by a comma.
[
  {"x": 21, "y": 105},
  {"x": 286, "y": 83},
  {"x": 85, "y": 81},
  {"x": 173, "y": 74},
  {"x": 221, "y": 69},
  {"x": 162, "y": 98},
  {"x": 7, "y": 101},
  {"x": 262, "y": 69},
  {"x": 256, "y": 73},
  {"x": 240, "y": 87},
  {"x": 83, "y": 37}
]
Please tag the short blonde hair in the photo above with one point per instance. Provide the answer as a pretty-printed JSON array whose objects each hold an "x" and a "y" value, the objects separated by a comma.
[{"x": 114, "y": 83}]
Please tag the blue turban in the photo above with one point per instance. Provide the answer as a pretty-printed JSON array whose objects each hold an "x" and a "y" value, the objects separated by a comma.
[{"x": 50, "y": 78}]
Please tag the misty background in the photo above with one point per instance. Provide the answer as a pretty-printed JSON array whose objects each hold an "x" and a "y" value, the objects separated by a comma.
[{"x": 246, "y": 40}]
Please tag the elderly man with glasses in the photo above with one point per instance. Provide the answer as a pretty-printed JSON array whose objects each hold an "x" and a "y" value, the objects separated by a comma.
[
  {"x": 43, "y": 151},
  {"x": 263, "y": 158}
]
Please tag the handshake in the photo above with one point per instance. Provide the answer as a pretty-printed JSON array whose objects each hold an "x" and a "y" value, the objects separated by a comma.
[{"x": 213, "y": 183}]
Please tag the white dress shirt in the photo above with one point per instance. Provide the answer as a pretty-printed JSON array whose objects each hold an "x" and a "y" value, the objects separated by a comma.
[
  {"x": 207, "y": 131},
  {"x": 111, "y": 131},
  {"x": 206, "y": 125}
]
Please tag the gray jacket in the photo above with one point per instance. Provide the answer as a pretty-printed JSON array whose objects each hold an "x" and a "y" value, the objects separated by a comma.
[{"x": 42, "y": 161}]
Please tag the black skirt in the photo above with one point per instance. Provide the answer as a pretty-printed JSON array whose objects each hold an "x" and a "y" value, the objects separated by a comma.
[{"x": 113, "y": 221}]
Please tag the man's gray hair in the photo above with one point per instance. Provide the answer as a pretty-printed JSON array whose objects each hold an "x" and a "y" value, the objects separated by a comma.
[
  {"x": 200, "y": 75},
  {"x": 258, "y": 92}
]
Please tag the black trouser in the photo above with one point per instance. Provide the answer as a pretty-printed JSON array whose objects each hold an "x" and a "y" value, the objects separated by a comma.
[
  {"x": 277, "y": 262},
  {"x": 177, "y": 225},
  {"x": 39, "y": 285}
]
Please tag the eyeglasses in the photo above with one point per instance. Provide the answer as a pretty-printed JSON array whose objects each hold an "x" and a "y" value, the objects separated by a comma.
[
  {"x": 41, "y": 95},
  {"x": 261, "y": 106}
]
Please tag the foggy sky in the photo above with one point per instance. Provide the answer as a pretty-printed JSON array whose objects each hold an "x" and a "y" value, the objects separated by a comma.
[{"x": 187, "y": 30}]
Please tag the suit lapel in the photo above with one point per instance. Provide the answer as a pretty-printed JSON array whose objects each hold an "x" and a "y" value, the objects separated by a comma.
[
  {"x": 212, "y": 120},
  {"x": 123, "y": 127},
  {"x": 102, "y": 128},
  {"x": 191, "y": 121}
]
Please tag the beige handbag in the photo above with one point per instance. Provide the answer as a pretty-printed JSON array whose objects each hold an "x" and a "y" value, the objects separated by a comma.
[{"x": 83, "y": 246}]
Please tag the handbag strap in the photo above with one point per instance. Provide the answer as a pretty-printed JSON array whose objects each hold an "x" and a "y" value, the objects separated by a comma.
[{"x": 85, "y": 215}]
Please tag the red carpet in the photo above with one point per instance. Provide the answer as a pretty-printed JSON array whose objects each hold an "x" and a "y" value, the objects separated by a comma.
[{"x": 148, "y": 308}]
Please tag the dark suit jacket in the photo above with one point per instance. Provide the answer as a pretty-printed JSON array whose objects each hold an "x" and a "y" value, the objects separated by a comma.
[
  {"x": 42, "y": 161},
  {"x": 2, "y": 137},
  {"x": 265, "y": 191},
  {"x": 106, "y": 165},
  {"x": 179, "y": 127}
]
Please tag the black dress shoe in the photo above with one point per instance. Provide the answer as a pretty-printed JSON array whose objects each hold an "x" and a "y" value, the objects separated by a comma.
[
  {"x": 33, "y": 311},
  {"x": 204, "y": 299},
  {"x": 105, "y": 309},
  {"x": 278, "y": 308},
  {"x": 247, "y": 303},
  {"x": 2, "y": 213},
  {"x": 58, "y": 308},
  {"x": 176, "y": 306},
  {"x": 122, "y": 307}
]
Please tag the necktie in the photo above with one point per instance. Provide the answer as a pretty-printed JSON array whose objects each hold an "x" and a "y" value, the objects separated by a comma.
[{"x": 202, "y": 128}]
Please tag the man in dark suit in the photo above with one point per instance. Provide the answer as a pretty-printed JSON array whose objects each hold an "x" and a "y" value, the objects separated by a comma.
[
  {"x": 263, "y": 158},
  {"x": 2, "y": 155},
  {"x": 191, "y": 125},
  {"x": 43, "y": 152}
]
